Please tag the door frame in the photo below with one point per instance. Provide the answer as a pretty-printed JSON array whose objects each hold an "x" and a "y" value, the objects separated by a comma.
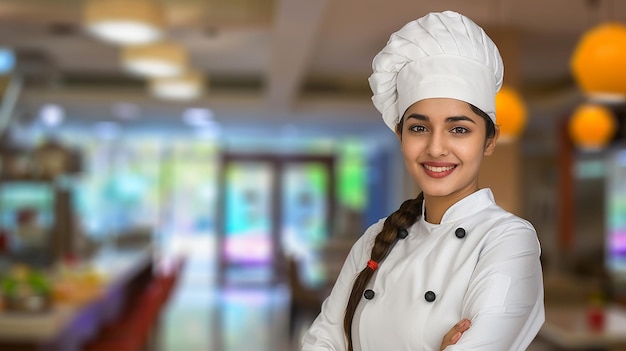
[{"x": 278, "y": 163}]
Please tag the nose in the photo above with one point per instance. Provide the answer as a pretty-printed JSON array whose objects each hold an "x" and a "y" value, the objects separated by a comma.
[{"x": 437, "y": 145}]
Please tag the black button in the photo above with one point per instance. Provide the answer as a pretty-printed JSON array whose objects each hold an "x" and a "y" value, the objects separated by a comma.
[
  {"x": 369, "y": 294},
  {"x": 430, "y": 296},
  {"x": 403, "y": 233},
  {"x": 460, "y": 233}
]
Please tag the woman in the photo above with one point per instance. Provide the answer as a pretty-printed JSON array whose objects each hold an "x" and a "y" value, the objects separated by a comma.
[{"x": 450, "y": 269}]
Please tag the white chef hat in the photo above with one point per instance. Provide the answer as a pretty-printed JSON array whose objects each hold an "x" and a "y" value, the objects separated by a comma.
[{"x": 443, "y": 55}]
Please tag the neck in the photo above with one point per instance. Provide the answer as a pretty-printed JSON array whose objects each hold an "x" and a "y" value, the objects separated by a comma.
[
  {"x": 434, "y": 209},
  {"x": 436, "y": 206}
]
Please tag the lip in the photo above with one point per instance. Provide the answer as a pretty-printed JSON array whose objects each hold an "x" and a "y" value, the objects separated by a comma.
[{"x": 438, "y": 169}]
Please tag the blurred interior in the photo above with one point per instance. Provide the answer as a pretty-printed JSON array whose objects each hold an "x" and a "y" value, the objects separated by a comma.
[{"x": 219, "y": 221}]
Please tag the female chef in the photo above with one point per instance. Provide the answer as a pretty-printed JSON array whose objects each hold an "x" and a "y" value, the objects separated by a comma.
[{"x": 449, "y": 269}]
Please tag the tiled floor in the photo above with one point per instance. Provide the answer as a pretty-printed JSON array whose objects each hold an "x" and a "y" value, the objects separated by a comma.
[
  {"x": 233, "y": 320},
  {"x": 200, "y": 316}
]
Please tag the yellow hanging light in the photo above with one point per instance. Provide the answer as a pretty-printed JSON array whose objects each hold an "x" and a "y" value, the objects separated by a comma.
[
  {"x": 510, "y": 113},
  {"x": 592, "y": 126},
  {"x": 598, "y": 62}
]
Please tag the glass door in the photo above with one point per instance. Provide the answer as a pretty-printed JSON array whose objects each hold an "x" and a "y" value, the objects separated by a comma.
[
  {"x": 273, "y": 206},
  {"x": 305, "y": 215},
  {"x": 247, "y": 244}
]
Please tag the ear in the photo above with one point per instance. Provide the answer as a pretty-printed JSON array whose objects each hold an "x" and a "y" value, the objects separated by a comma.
[{"x": 491, "y": 143}]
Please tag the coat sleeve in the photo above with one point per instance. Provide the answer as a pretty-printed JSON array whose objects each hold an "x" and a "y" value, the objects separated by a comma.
[
  {"x": 504, "y": 300},
  {"x": 326, "y": 332}
]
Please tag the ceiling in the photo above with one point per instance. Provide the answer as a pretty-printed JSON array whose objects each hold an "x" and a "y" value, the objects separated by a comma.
[{"x": 276, "y": 65}]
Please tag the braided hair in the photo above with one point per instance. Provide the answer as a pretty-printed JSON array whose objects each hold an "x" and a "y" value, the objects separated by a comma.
[{"x": 394, "y": 227}]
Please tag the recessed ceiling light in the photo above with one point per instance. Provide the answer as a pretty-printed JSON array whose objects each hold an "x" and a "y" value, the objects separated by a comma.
[
  {"x": 155, "y": 60},
  {"x": 125, "y": 22},
  {"x": 186, "y": 87},
  {"x": 51, "y": 114}
]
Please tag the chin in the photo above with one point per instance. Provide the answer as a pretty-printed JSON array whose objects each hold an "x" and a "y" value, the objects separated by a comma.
[{"x": 436, "y": 191}]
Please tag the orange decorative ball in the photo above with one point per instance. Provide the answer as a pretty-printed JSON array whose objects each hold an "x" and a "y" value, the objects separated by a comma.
[
  {"x": 598, "y": 61},
  {"x": 592, "y": 126},
  {"x": 510, "y": 113}
]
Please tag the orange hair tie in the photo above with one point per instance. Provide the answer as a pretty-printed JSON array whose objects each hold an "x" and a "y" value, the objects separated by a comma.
[{"x": 372, "y": 264}]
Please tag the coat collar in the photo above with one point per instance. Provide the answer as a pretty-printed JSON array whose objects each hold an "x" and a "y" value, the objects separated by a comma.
[{"x": 469, "y": 205}]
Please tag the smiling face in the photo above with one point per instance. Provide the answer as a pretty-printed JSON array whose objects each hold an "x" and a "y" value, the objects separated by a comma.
[{"x": 444, "y": 141}]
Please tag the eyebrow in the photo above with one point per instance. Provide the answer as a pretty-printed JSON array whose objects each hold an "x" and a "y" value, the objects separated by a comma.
[{"x": 448, "y": 119}]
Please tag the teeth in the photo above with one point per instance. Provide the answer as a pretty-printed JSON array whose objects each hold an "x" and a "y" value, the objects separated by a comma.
[{"x": 438, "y": 169}]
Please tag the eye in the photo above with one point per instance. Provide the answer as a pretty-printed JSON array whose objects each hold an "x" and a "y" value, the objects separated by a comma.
[
  {"x": 418, "y": 128},
  {"x": 459, "y": 130}
]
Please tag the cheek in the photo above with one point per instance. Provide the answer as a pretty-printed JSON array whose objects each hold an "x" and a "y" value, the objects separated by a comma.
[
  {"x": 470, "y": 153},
  {"x": 411, "y": 147},
  {"x": 474, "y": 155}
]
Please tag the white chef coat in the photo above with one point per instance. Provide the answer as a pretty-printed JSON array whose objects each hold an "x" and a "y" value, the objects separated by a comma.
[{"x": 492, "y": 276}]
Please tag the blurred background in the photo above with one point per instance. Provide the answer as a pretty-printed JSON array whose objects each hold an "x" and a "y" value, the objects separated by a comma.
[{"x": 190, "y": 174}]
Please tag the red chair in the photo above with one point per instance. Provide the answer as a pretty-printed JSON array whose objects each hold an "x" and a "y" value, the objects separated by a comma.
[
  {"x": 168, "y": 274},
  {"x": 132, "y": 330}
]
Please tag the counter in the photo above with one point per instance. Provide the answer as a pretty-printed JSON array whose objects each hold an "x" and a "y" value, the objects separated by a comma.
[{"x": 67, "y": 326}]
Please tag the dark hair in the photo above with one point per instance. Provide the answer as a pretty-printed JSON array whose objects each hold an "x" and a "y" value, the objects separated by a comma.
[
  {"x": 402, "y": 219},
  {"x": 489, "y": 125}
]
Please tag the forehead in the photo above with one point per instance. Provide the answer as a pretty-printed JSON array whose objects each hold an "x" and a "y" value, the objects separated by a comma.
[{"x": 441, "y": 107}]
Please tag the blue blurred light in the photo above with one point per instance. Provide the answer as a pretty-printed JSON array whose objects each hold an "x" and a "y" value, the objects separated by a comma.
[
  {"x": 51, "y": 114},
  {"x": 7, "y": 60},
  {"x": 198, "y": 117}
]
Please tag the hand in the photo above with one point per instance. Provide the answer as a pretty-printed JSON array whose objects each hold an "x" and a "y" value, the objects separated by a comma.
[{"x": 455, "y": 333}]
